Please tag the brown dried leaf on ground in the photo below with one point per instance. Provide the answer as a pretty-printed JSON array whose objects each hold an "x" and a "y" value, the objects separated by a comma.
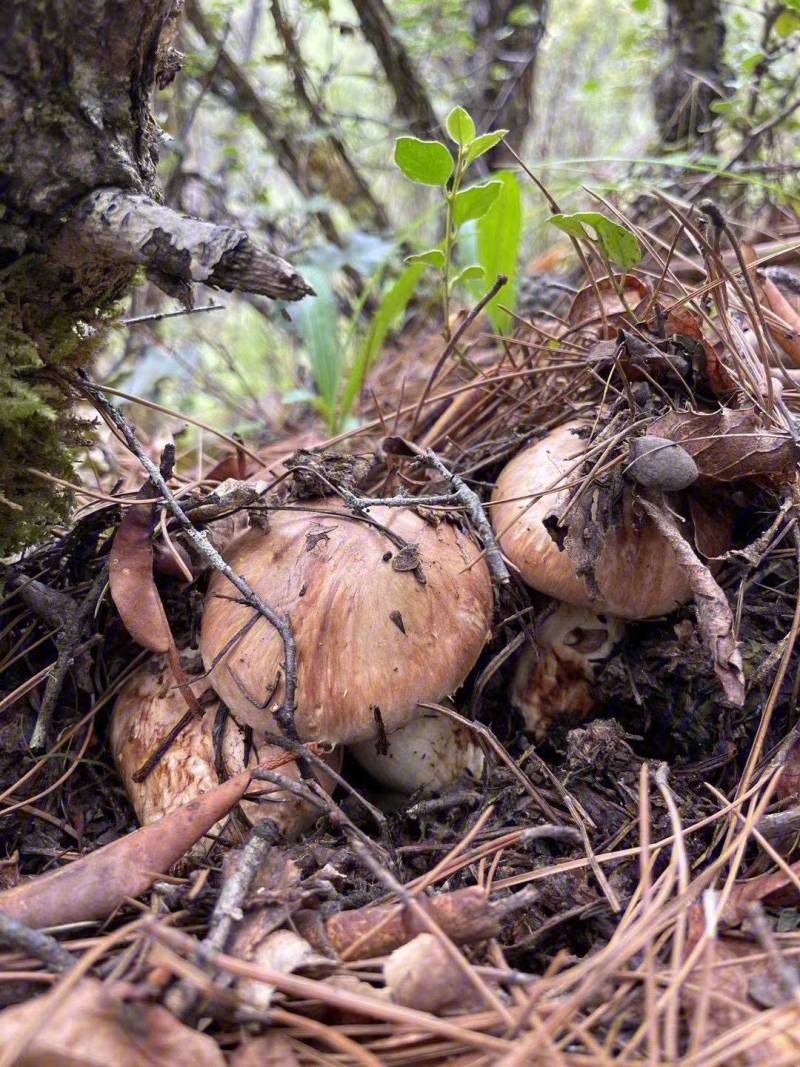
[
  {"x": 723, "y": 996},
  {"x": 93, "y": 886},
  {"x": 775, "y": 889},
  {"x": 714, "y": 615},
  {"x": 787, "y": 334},
  {"x": 133, "y": 588},
  {"x": 585, "y": 309},
  {"x": 281, "y": 950},
  {"x": 730, "y": 444},
  {"x": 93, "y": 1027}
]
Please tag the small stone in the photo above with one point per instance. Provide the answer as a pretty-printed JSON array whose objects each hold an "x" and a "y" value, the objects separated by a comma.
[{"x": 658, "y": 463}]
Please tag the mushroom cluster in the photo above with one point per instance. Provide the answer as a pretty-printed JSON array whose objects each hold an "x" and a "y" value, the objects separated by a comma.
[{"x": 388, "y": 611}]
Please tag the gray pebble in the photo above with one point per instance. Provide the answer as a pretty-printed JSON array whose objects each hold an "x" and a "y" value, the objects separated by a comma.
[{"x": 658, "y": 463}]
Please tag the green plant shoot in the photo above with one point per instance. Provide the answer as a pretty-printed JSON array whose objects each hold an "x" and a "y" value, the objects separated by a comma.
[{"x": 433, "y": 163}]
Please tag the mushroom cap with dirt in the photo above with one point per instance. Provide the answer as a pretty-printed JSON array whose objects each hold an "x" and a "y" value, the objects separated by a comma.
[
  {"x": 383, "y": 619},
  {"x": 148, "y": 706},
  {"x": 638, "y": 575}
]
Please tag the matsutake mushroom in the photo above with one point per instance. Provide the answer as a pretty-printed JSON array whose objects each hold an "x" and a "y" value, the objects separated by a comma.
[
  {"x": 428, "y": 754},
  {"x": 149, "y": 705},
  {"x": 386, "y": 613},
  {"x": 637, "y": 573},
  {"x": 555, "y": 680}
]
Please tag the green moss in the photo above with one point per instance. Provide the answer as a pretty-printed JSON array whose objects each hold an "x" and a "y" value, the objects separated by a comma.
[{"x": 37, "y": 431}]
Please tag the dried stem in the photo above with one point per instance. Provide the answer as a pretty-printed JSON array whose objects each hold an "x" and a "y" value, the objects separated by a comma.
[{"x": 284, "y": 714}]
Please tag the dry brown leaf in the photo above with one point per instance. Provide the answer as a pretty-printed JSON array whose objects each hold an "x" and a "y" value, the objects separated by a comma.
[
  {"x": 714, "y": 615},
  {"x": 788, "y": 338},
  {"x": 133, "y": 588},
  {"x": 93, "y": 886},
  {"x": 423, "y": 975},
  {"x": 721, "y": 985},
  {"x": 730, "y": 444},
  {"x": 585, "y": 309},
  {"x": 93, "y": 1027},
  {"x": 680, "y": 320},
  {"x": 281, "y": 950},
  {"x": 776, "y": 889}
]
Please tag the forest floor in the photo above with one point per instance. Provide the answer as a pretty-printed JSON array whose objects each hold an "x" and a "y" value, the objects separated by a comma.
[{"x": 617, "y": 886}]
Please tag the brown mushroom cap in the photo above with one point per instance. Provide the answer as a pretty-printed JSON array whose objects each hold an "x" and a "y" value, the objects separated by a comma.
[
  {"x": 637, "y": 573},
  {"x": 148, "y": 706},
  {"x": 369, "y": 634}
]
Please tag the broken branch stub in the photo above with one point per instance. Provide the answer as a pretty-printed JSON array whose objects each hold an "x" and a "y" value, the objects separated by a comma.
[{"x": 176, "y": 249}]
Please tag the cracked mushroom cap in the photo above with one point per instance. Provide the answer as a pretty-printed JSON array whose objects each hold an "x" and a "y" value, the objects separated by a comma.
[
  {"x": 378, "y": 627},
  {"x": 148, "y": 706},
  {"x": 638, "y": 575},
  {"x": 554, "y": 680}
]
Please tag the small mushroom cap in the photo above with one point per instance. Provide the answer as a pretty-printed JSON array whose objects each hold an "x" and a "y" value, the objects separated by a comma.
[
  {"x": 148, "y": 706},
  {"x": 555, "y": 680},
  {"x": 429, "y": 754},
  {"x": 637, "y": 574},
  {"x": 373, "y": 640}
]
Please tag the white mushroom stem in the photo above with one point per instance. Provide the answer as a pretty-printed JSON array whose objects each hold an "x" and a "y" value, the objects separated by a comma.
[{"x": 428, "y": 755}]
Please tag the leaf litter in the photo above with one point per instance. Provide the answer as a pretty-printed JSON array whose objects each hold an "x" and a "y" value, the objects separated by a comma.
[{"x": 625, "y": 891}]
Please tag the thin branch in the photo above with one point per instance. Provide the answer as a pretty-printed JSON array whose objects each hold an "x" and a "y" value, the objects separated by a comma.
[{"x": 284, "y": 714}]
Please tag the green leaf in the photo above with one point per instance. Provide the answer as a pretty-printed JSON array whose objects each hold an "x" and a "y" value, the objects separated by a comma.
[
  {"x": 460, "y": 126},
  {"x": 393, "y": 304},
  {"x": 484, "y": 143},
  {"x": 618, "y": 244},
  {"x": 316, "y": 321},
  {"x": 787, "y": 23},
  {"x": 497, "y": 240},
  {"x": 424, "y": 162},
  {"x": 473, "y": 203},
  {"x": 434, "y": 258},
  {"x": 474, "y": 272}
]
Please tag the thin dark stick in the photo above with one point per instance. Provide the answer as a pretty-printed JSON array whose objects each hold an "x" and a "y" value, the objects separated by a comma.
[
  {"x": 284, "y": 714},
  {"x": 477, "y": 515},
  {"x": 18, "y": 936},
  {"x": 171, "y": 314},
  {"x": 450, "y": 347}
]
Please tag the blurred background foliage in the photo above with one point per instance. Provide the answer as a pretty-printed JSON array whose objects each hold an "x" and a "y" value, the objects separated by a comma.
[{"x": 284, "y": 122}]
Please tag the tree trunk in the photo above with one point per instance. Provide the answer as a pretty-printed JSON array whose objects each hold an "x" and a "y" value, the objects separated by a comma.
[
  {"x": 411, "y": 96},
  {"x": 80, "y": 215},
  {"x": 503, "y": 69},
  {"x": 691, "y": 79}
]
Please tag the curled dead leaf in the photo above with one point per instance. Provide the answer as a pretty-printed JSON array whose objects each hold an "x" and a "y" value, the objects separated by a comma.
[
  {"x": 93, "y": 886},
  {"x": 714, "y": 614},
  {"x": 133, "y": 588},
  {"x": 93, "y": 1027},
  {"x": 731, "y": 445}
]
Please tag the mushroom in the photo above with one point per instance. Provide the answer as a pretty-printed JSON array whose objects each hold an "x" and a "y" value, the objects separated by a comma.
[
  {"x": 428, "y": 754},
  {"x": 555, "y": 679},
  {"x": 638, "y": 575},
  {"x": 148, "y": 706},
  {"x": 383, "y": 616}
]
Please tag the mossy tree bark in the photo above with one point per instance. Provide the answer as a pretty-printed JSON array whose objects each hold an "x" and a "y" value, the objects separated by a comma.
[
  {"x": 503, "y": 70},
  {"x": 692, "y": 76},
  {"x": 80, "y": 215}
]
